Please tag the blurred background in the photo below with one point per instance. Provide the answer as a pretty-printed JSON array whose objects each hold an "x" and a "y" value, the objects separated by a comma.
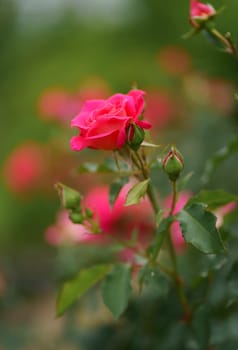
[{"x": 55, "y": 54}]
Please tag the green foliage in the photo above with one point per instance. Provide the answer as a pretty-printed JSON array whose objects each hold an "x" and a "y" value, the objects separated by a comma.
[
  {"x": 213, "y": 198},
  {"x": 73, "y": 289},
  {"x": 116, "y": 289},
  {"x": 137, "y": 138},
  {"x": 152, "y": 278},
  {"x": 219, "y": 157},
  {"x": 70, "y": 198},
  {"x": 159, "y": 236},
  {"x": 201, "y": 325},
  {"x": 137, "y": 192},
  {"x": 199, "y": 228}
]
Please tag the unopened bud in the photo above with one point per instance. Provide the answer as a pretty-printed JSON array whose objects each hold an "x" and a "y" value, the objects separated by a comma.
[
  {"x": 135, "y": 136},
  {"x": 173, "y": 164},
  {"x": 76, "y": 218},
  {"x": 70, "y": 198}
]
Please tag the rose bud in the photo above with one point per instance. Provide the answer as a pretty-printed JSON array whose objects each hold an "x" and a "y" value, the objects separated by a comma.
[
  {"x": 173, "y": 164},
  {"x": 200, "y": 13}
]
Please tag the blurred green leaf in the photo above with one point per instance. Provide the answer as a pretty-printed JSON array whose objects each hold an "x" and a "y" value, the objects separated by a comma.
[
  {"x": 201, "y": 326},
  {"x": 137, "y": 192},
  {"x": 73, "y": 289},
  {"x": 159, "y": 237},
  {"x": 199, "y": 228},
  {"x": 116, "y": 289},
  {"x": 213, "y": 198},
  {"x": 218, "y": 158},
  {"x": 152, "y": 277}
]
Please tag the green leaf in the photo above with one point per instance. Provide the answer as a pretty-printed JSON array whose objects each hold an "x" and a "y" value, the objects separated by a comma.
[
  {"x": 218, "y": 158},
  {"x": 213, "y": 198},
  {"x": 116, "y": 289},
  {"x": 73, "y": 289},
  {"x": 136, "y": 192},
  {"x": 115, "y": 189},
  {"x": 182, "y": 183},
  {"x": 159, "y": 237},
  {"x": 199, "y": 228},
  {"x": 201, "y": 326},
  {"x": 155, "y": 281}
]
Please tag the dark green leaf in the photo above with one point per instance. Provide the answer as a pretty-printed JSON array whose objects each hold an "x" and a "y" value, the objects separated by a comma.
[
  {"x": 201, "y": 326},
  {"x": 213, "y": 198},
  {"x": 199, "y": 228},
  {"x": 73, "y": 289},
  {"x": 136, "y": 192},
  {"x": 219, "y": 157},
  {"x": 159, "y": 237},
  {"x": 116, "y": 289},
  {"x": 156, "y": 281}
]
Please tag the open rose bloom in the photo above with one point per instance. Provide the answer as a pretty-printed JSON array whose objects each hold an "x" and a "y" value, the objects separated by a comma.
[
  {"x": 200, "y": 12},
  {"x": 103, "y": 124}
]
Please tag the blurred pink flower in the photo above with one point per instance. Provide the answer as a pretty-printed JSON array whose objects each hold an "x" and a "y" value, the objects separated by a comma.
[
  {"x": 25, "y": 167},
  {"x": 66, "y": 232},
  {"x": 174, "y": 60},
  {"x": 117, "y": 223},
  {"x": 200, "y": 12},
  {"x": 159, "y": 108},
  {"x": 223, "y": 211},
  {"x": 58, "y": 105},
  {"x": 103, "y": 124}
]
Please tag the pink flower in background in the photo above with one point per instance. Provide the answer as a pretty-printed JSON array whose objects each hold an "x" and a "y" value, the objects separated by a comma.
[
  {"x": 103, "y": 123},
  {"x": 223, "y": 211},
  {"x": 64, "y": 231},
  {"x": 58, "y": 105},
  {"x": 159, "y": 108},
  {"x": 174, "y": 60},
  {"x": 118, "y": 222},
  {"x": 25, "y": 167},
  {"x": 200, "y": 12}
]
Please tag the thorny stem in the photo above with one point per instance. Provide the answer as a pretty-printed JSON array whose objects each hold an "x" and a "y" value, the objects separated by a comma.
[
  {"x": 151, "y": 194},
  {"x": 226, "y": 40}
]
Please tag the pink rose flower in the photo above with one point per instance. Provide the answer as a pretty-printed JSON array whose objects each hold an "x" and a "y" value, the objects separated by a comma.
[
  {"x": 200, "y": 12},
  {"x": 103, "y": 124}
]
